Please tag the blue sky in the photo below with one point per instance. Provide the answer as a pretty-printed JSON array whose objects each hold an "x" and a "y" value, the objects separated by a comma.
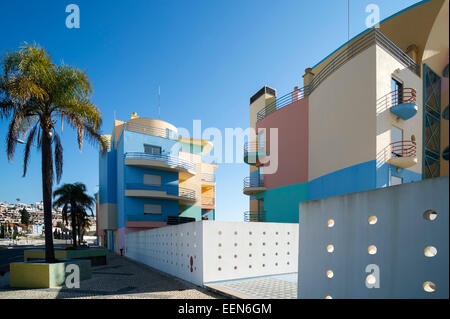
[{"x": 208, "y": 56}]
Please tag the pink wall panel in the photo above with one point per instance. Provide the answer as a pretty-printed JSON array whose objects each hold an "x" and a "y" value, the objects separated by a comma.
[{"x": 292, "y": 124}]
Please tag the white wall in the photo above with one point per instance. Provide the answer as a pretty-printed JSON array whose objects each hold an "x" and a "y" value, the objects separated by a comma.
[
  {"x": 235, "y": 250},
  {"x": 170, "y": 249},
  {"x": 400, "y": 235},
  {"x": 219, "y": 250}
]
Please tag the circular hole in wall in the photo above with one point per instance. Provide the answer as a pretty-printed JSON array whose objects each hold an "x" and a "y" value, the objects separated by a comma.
[
  {"x": 430, "y": 215},
  {"x": 249, "y": 244},
  {"x": 249, "y": 232},
  {"x": 235, "y": 267},
  {"x": 330, "y": 223},
  {"x": 235, "y": 232},
  {"x": 220, "y": 257},
  {"x": 250, "y": 255},
  {"x": 330, "y": 274},
  {"x": 372, "y": 220},
  {"x": 371, "y": 279},
  {"x": 235, "y": 256},
  {"x": 263, "y": 265},
  {"x": 428, "y": 286},
  {"x": 220, "y": 233},
  {"x": 235, "y": 244},
  {"x": 430, "y": 251},
  {"x": 372, "y": 250},
  {"x": 249, "y": 266},
  {"x": 219, "y": 269},
  {"x": 330, "y": 248}
]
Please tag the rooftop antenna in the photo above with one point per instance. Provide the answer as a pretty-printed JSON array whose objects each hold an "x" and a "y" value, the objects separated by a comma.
[
  {"x": 114, "y": 116},
  {"x": 348, "y": 20},
  {"x": 159, "y": 102}
]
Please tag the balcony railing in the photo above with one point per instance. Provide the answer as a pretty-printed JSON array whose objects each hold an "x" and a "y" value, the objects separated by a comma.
[
  {"x": 170, "y": 160},
  {"x": 151, "y": 130},
  {"x": 402, "y": 96},
  {"x": 188, "y": 194},
  {"x": 403, "y": 149},
  {"x": 208, "y": 177},
  {"x": 208, "y": 201},
  {"x": 253, "y": 181},
  {"x": 281, "y": 102},
  {"x": 254, "y": 147},
  {"x": 366, "y": 40},
  {"x": 254, "y": 216}
]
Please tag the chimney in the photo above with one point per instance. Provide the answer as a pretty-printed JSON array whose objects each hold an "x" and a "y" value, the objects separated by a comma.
[
  {"x": 413, "y": 52},
  {"x": 308, "y": 76}
]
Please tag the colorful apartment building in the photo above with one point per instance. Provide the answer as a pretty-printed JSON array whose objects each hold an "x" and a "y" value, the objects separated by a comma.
[
  {"x": 149, "y": 177},
  {"x": 373, "y": 113}
]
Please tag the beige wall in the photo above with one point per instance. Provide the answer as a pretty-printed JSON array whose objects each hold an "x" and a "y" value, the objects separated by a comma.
[
  {"x": 342, "y": 122},
  {"x": 388, "y": 67},
  {"x": 107, "y": 216}
]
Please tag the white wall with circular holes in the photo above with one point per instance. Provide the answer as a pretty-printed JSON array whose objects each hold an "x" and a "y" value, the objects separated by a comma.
[{"x": 385, "y": 243}]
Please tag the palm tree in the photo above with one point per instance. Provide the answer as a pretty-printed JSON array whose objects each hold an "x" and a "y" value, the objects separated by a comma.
[
  {"x": 34, "y": 95},
  {"x": 74, "y": 202}
]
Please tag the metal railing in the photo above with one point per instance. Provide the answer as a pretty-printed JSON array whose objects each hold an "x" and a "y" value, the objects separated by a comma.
[
  {"x": 188, "y": 194},
  {"x": 403, "y": 149},
  {"x": 208, "y": 201},
  {"x": 253, "y": 181},
  {"x": 366, "y": 40},
  {"x": 176, "y": 220},
  {"x": 208, "y": 177},
  {"x": 405, "y": 95},
  {"x": 151, "y": 130},
  {"x": 253, "y": 147},
  {"x": 281, "y": 102},
  {"x": 170, "y": 160},
  {"x": 254, "y": 216}
]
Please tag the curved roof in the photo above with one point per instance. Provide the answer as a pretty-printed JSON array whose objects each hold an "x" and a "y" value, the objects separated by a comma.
[{"x": 409, "y": 26}]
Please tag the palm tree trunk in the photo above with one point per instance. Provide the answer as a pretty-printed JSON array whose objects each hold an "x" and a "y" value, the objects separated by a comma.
[
  {"x": 47, "y": 181},
  {"x": 73, "y": 211}
]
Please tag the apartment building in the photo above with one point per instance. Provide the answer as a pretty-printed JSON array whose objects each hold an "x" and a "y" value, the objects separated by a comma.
[
  {"x": 149, "y": 177},
  {"x": 372, "y": 114}
]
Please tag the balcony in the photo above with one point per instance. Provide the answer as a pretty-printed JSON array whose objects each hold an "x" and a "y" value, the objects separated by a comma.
[
  {"x": 208, "y": 179},
  {"x": 403, "y": 154},
  {"x": 403, "y": 103},
  {"x": 170, "y": 192},
  {"x": 253, "y": 185},
  {"x": 151, "y": 130},
  {"x": 208, "y": 203},
  {"x": 158, "y": 161},
  {"x": 253, "y": 152},
  {"x": 254, "y": 216}
]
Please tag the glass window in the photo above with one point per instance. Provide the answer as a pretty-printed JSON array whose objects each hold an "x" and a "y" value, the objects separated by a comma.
[
  {"x": 395, "y": 180},
  {"x": 152, "y": 179},
  {"x": 151, "y": 149},
  {"x": 397, "y": 92},
  {"x": 152, "y": 209}
]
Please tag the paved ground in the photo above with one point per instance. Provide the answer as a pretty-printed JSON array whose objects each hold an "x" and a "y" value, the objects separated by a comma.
[
  {"x": 267, "y": 287},
  {"x": 120, "y": 279}
]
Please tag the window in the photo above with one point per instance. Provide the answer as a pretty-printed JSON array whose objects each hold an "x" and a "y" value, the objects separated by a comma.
[
  {"x": 395, "y": 180},
  {"x": 397, "y": 92},
  {"x": 150, "y": 209},
  {"x": 151, "y": 149},
  {"x": 397, "y": 138},
  {"x": 152, "y": 179}
]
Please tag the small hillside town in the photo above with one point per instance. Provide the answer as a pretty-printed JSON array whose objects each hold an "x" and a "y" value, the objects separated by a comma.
[{"x": 10, "y": 214}]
